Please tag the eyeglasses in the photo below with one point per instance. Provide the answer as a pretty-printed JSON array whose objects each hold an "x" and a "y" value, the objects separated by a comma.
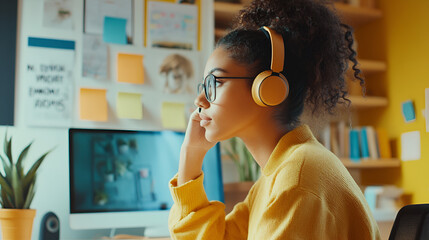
[{"x": 210, "y": 84}]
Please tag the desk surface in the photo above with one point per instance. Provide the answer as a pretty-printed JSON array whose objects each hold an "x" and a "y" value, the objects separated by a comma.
[{"x": 133, "y": 237}]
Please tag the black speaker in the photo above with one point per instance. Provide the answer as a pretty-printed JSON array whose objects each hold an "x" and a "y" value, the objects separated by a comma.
[{"x": 50, "y": 227}]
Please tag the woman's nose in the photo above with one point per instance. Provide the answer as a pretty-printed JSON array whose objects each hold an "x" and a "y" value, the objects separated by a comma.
[{"x": 201, "y": 101}]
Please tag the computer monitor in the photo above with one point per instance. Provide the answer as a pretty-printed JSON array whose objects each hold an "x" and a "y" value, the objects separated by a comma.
[{"x": 119, "y": 178}]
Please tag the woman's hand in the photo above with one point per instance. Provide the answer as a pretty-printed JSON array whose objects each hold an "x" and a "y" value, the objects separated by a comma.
[
  {"x": 195, "y": 134},
  {"x": 194, "y": 148}
]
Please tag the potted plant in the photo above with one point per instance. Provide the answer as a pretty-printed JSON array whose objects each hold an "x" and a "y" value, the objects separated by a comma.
[
  {"x": 248, "y": 169},
  {"x": 248, "y": 172},
  {"x": 17, "y": 189}
]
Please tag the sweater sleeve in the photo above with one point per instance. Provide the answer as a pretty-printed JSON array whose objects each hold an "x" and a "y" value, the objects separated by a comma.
[{"x": 193, "y": 216}]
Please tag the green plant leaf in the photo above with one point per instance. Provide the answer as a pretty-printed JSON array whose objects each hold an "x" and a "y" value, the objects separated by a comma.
[
  {"x": 29, "y": 177},
  {"x": 21, "y": 158},
  {"x": 7, "y": 145},
  {"x": 5, "y": 186},
  {"x": 6, "y": 167},
  {"x": 17, "y": 188},
  {"x": 8, "y": 201},
  {"x": 231, "y": 155},
  {"x": 29, "y": 196}
]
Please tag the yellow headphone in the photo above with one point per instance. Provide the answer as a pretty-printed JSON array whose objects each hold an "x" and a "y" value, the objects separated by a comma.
[{"x": 270, "y": 87}]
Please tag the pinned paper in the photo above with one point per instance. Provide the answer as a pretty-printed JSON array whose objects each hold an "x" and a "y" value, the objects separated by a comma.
[
  {"x": 173, "y": 115},
  {"x": 93, "y": 104},
  {"x": 114, "y": 30},
  {"x": 410, "y": 146},
  {"x": 49, "y": 82},
  {"x": 408, "y": 111},
  {"x": 427, "y": 108},
  {"x": 128, "y": 105},
  {"x": 130, "y": 68}
]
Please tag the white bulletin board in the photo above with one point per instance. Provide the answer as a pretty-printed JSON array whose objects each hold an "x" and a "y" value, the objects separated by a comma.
[{"x": 170, "y": 74}]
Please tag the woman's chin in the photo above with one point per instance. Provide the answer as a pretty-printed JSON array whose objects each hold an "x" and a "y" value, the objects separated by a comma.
[
  {"x": 214, "y": 137},
  {"x": 211, "y": 137}
]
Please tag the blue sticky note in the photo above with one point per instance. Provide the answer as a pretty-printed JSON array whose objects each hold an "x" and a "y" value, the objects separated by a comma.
[
  {"x": 408, "y": 111},
  {"x": 114, "y": 30}
]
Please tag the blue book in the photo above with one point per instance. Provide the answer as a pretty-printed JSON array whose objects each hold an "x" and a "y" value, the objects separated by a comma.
[
  {"x": 364, "y": 143},
  {"x": 354, "y": 145}
]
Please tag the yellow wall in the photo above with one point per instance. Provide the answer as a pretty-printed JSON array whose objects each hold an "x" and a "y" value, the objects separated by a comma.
[{"x": 401, "y": 38}]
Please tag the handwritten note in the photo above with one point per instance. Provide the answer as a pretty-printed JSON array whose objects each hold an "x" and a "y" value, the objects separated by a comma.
[
  {"x": 49, "y": 81},
  {"x": 130, "y": 68},
  {"x": 173, "y": 115},
  {"x": 427, "y": 108},
  {"x": 93, "y": 104},
  {"x": 128, "y": 105}
]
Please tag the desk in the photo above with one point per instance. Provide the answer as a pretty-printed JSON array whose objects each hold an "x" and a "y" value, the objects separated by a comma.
[{"x": 133, "y": 237}]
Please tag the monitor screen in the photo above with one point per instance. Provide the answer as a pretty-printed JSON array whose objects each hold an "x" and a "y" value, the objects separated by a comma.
[{"x": 119, "y": 178}]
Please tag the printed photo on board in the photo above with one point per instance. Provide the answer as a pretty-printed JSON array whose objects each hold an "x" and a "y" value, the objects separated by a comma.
[
  {"x": 177, "y": 71},
  {"x": 58, "y": 14}
]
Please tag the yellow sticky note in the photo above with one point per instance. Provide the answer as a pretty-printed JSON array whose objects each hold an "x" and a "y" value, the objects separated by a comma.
[
  {"x": 93, "y": 104},
  {"x": 128, "y": 105},
  {"x": 173, "y": 115},
  {"x": 130, "y": 68}
]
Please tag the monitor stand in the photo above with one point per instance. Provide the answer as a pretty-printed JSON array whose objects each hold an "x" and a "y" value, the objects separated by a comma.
[
  {"x": 157, "y": 232},
  {"x": 149, "y": 232}
]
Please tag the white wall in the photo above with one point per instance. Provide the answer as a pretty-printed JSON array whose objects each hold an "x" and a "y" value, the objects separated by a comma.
[{"x": 53, "y": 178}]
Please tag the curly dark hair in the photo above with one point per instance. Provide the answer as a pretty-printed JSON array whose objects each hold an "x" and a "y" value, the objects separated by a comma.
[{"x": 318, "y": 48}]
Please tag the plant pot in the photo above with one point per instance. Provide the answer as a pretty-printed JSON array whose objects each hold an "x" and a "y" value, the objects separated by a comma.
[
  {"x": 17, "y": 224},
  {"x": 235, "y": 192}
]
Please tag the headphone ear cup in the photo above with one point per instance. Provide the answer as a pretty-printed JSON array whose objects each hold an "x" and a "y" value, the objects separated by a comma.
[{"x": 270, "y": 89}]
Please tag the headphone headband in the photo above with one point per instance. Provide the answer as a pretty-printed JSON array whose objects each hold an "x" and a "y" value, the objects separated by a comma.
[
  {"x": 277, "y": 50},
  {"x": 270, "y": 87}
]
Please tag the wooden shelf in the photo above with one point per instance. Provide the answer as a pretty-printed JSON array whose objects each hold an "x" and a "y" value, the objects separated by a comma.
[
  {"x": 219, "y": 32},
  {"x": 351, "y": 15},
  {"x": 371, "y": 163},
  {"x": 357, "y": 16},
  {"x": 225, "y": 12},
  {"x": 359, "y": 102},
  {"x": 369, "y": 67}
]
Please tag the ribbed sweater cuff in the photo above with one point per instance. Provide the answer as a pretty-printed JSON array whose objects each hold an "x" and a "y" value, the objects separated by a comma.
[{"x": 189, "y": 196}]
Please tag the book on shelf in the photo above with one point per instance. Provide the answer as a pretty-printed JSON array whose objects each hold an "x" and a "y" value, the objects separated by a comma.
[
  {"x": 372, "y": 143},
  {"x": 363, "y": 143},
  {"x": 342, "y": 139},
  {"x": 354, "y": 145},
  {"x": 357, "y": 143},
  {"x": 334, "y": 139},
  {"x": 383, "y": 143}
]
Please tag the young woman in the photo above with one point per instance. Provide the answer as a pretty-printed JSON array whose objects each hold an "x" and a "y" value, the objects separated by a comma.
[{"x": 256, "y": 83}]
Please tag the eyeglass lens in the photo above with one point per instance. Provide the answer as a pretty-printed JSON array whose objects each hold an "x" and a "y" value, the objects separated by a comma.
[{"x": 210, "y": 88}]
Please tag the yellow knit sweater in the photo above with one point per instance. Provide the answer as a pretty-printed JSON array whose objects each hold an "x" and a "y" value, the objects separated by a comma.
[{"x": 304, "y": 192}]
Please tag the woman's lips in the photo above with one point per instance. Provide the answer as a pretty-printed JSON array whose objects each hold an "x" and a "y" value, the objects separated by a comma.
[{"x": 205, "y": 120}]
